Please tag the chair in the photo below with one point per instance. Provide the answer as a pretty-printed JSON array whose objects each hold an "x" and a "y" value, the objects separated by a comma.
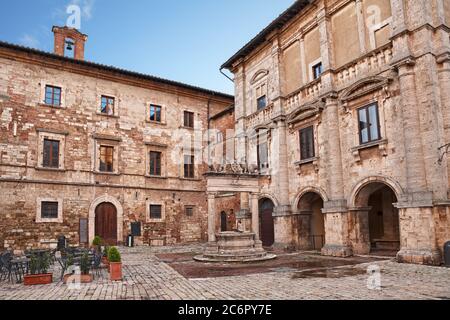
[
  {"x": 96, "y": 263},
  {"x": 8, "y": 268}
]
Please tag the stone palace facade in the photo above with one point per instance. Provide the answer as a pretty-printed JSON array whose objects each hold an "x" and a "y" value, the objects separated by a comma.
[{"x": 342, "y": 116}]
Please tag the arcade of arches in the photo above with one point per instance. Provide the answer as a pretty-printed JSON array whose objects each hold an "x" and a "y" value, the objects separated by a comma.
[{"x": 373, "y": 220}]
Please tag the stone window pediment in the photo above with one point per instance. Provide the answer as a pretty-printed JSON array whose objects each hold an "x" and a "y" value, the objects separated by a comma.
[
  {"x": 305, "y": 112},
  {"x": 259, "y": 75},
  {"x": 364, "y": 87}
]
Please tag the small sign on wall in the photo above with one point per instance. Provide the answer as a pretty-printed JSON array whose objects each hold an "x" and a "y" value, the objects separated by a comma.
[{"x": 84, "y": 235}]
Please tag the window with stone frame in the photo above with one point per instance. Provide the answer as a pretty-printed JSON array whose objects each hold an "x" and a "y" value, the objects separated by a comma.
[
  {"x": 369, "y": 124},
  {"x": 317, "y": 70},
  {"x": 107, "y": 105},
  {"x": 307, "y": 149},
  {"x": 155, "y": 212},
  {"x": 189, "y": 167},
  {"x": 50, "y": 154},
  {"x": 188, "y": 119},
  {"x": 49, "y": 210},
  {"x": 155, "y": 163},
  {"x": 262, "y": 151},
  {"x": 106, "y": 159},
  {"x": 52, "y": 96},
  {"x": 155, "y": 113}
]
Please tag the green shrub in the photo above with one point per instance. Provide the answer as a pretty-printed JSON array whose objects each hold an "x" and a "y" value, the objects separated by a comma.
[
  {"x": 39, "y": 264},
  {"x": 97, "y": 241},
  {"x": 114, "y": 255},
  {"x": 85, "y": 265}
]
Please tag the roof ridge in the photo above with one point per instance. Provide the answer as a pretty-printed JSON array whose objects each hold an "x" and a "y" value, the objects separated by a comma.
[{"x": 114, "y": 69}]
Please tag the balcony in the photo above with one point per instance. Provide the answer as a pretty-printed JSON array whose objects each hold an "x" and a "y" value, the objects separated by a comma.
[
  {"x": 261, "y": 117},
  {"x": 303, "y": 95},
  {"x": 371, "y": 64}
]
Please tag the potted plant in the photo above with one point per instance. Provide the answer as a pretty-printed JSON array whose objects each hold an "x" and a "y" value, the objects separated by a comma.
[
  {"x": 38, "y": 270},
  {"x": 85, "y": 267},
  {"x": 97, "y": 243},
  {"x": 115, "y": 264}
]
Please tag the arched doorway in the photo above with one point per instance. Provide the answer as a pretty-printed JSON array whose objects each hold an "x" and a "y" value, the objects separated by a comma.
[
  {"x": 383, "y": 217},
  {"x": 223, "y": 221},
  {"x": 267, "y": 229},
  {"x": 106, "y": 223},
  {"x": 311, "y": 226}
]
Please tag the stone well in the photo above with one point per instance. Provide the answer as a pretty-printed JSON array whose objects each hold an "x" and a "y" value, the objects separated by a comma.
[{"x": 235, "y": 247}]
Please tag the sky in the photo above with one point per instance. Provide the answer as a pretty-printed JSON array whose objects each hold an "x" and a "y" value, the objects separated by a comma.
[{"x": 181, "y": 40}]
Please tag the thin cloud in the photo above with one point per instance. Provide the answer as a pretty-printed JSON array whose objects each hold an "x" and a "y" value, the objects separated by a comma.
[{"x": 29, "y": 41}]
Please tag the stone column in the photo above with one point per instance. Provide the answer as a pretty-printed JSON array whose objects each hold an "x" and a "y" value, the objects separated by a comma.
[
  {"x": 255, "y": 215},
  {"x": 244, "y": 215},
  {"x": 361, "y": 27},
  {"x": 211, "y": 217},
  {"x": 335, "y": 210}
]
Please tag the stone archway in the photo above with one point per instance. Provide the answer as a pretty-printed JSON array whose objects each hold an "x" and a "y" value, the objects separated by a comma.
[
  {"x": 119, "y": 214},
  {"x": 311, "y": 221},
  {"x": 375, "y": 202}
]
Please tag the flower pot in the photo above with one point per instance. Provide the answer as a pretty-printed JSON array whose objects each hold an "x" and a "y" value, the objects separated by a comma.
[
  {"x": 84, "y": 278},
  {"x": 115, "y": 271},
  {"x": 37, "y": 279}
]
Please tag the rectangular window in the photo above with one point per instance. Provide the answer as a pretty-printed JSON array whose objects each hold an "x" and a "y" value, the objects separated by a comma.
[
  {"x": 317, "y": 70},
  {"x": 155, "y": 163},
  {"x": 189, "y": 171},
  {"x": 369, "y": 124},
  {"x": 155, "y": 113},
  {"x": 155, "y": 212},
  {"x": 261, "y": 102},
  {"x": 307, "y": 143},
  {"x": 69, "y": 48},
  {"x": 263, "y": 151},
  {"x": 51, "y": 154},
  {"x": 49, "y": 210},
  {"x": 107, "y": 105},
  {"x": 189, "y": 210},
  {"x": 106, "y": 159},
  {"x": 189, "y": 119},
  {"x": 53, "y": 96}
]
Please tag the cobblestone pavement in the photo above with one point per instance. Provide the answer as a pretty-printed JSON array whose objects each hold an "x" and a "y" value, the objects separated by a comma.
[{"x": 147, "y": 277}]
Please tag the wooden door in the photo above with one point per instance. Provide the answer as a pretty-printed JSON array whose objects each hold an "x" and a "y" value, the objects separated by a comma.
[
  {"x": 267, "y": 228},
  {"x": 106, "y": 223}
]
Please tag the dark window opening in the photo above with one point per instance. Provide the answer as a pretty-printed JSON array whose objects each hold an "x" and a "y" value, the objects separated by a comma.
[
  {"x": 189, "y": 210},
  {"x": 51, "y": 154},
  {"x": 369, "y": 124},
  {"x": 53, "y": 96},
  {"x": 189, "y": 170},
  {"x": 49, "y": 210},
  {"x": 262, "y": 102},
  {"x": 155, "y": 113},
  {"x": 189, "y": 119},
  {"x": 307, "y": 143},
  {"x": 155, "y": 163},
  {"x": 106, "y": 159},
  {"x": 155, "y": 211},
  {"x": 317, "y": 70},
  {"x": 107, "y": 105}
]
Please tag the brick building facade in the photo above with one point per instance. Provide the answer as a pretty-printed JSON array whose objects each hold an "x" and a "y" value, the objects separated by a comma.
[{"x": 87, "y": 149}]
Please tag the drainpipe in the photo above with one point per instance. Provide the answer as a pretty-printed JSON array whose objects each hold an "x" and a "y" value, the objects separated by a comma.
[{"x": 232, "y": 80}]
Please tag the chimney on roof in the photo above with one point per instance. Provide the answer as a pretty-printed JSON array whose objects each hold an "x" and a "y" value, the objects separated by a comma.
[{"x": 69, "y": 42}]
